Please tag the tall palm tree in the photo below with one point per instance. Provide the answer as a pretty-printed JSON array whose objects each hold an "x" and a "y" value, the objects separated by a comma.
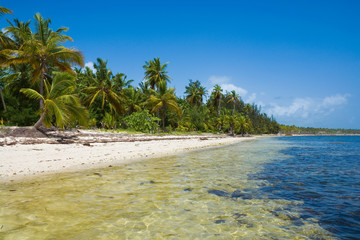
[
  {"x": 217, "y": 95},
  {"x": 234, "y": 98},
  {"x": 59, "y": 102},
  {"x": 43, "y": 50},
  {"x": 103, "y": 86},
  {"x": 162, "y": 100},
  {"x": 195, "y": 92},
  {"x": 155, "y": 73}
]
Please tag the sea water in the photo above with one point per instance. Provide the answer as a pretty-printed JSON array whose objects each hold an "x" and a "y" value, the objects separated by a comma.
[{"x": 271, "y": 188}]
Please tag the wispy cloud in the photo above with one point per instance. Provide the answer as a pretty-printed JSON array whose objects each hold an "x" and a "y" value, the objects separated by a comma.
[
  {"x": 309, "y": 107},
  {"x": 251, "y": 98},
  {"x": 219, "y": 79}
]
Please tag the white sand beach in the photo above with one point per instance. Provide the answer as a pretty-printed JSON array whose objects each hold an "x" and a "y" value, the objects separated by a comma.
[{"x": 22, "y": 160}]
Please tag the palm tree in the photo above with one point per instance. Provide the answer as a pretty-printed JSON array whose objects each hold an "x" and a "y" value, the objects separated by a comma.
[
  {"x": 155, "y": 73},
  {"x": 163, "y": 99},
  {"x": 5, "y": 41},
  {"x": 234, "y": 98},
  {"x": 133, "y": 100},
  {"x": 195, "y": 92},
  {"x": 102, "y": 85},
  {"x": 217, "y": 95},
  {"x": 2, "y": 85},
  {"x": 59, "y": 102},
  {"x": 121, "y": 82},
  {"x": 4, "y": 11},
  {"x": 42, "y": 51}
]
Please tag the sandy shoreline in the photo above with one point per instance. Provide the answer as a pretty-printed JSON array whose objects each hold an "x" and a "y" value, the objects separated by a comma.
[{"x": 22, "y": 158}]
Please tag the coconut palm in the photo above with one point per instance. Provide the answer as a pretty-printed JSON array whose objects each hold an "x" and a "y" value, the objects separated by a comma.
[
  {"x": 59, "y": 102},
  {"x": 103, "y": 86},
  {"x": 195, "y": 92},
  {"x": 162, "y": 100},
  {"x": 43, "y": 50},
  {"x": 121, "y": 82},
  {"x": 134, "y": 99},
  {"x": 4, "y": 10},
  {"x": 155, "y": 73},
  {"x": 234, "y": 98},
  {"x": 217, "y": 95}
]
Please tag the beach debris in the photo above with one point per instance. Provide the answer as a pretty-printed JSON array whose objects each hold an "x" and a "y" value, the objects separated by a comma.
[
  {"x": 187, "y": 190},
  {"x": 98, "y": 174}
]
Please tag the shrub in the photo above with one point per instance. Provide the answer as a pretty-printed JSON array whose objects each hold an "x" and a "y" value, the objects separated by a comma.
[{"x": 142, "y": 121}]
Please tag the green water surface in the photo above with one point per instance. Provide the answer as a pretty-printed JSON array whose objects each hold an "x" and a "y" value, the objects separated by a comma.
[{"x": 163, "y": 198}]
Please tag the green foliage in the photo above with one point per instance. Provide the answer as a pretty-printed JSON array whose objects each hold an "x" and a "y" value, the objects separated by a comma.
[
  {"x": 142, "y": 121},
  {"x": 109, "y": 121},
  {"x": 60, "y": 104}
]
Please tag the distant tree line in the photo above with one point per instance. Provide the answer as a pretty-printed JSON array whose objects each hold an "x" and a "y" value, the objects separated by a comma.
[
  {"x": 44, "y": 83},
  {"x": 285, "y": 129}
]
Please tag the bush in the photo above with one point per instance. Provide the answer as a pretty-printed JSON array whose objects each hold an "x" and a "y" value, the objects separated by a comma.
[{"x": 142, "y": 121}]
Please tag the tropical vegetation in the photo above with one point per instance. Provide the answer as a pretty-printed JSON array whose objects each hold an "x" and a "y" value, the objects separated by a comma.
[{"x": 45, "y": 83}]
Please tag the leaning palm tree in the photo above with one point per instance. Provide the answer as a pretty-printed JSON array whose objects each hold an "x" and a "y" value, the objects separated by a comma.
[
  {"x": 44, "y": 50},
  {"x": 59, "y": 102},
  {"x": 162, "y": 100},
  {"x": 103, "y": 87},
  {"x": 155, "y": 73}
]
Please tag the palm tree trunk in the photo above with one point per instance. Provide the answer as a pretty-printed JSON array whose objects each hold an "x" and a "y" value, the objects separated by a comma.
[
  {"x": 163, "y": 116},
  {"x": 42, "y": 79},
  {"x": 234, "y": 109},
  {"x": 40, "y": 122},
  {"x": 2, "y": 100},
  {"x": 219, "y": 107}
]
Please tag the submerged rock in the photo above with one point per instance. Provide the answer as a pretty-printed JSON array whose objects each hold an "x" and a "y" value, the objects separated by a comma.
[
  {"x": 220, "y": 221},
  {"x": 219, "y": 193},
  {"x": 242, "y": 195}
]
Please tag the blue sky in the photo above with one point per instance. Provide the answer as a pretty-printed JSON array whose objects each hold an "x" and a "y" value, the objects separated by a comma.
[{"x": 299, "y": 60}]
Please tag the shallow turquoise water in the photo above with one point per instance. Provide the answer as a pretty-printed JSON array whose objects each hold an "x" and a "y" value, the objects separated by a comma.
[{"x": 207, "y": 194}]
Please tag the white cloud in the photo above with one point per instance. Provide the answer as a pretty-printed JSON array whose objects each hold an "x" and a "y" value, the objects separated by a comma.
[
  {"x": 305, "y": 107},
  {"x": 229, "y": 87},
  {"x": 251, "y": 98},
  {"x": 219, "y": 79},
  {"x": 335, "y": 100},
  {"x": 225, "y": 83},
  {"x": 90, "y": 65}
]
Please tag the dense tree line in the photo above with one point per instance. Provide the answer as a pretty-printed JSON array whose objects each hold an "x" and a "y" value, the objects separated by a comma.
[{"x": 43, "y": 83}]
